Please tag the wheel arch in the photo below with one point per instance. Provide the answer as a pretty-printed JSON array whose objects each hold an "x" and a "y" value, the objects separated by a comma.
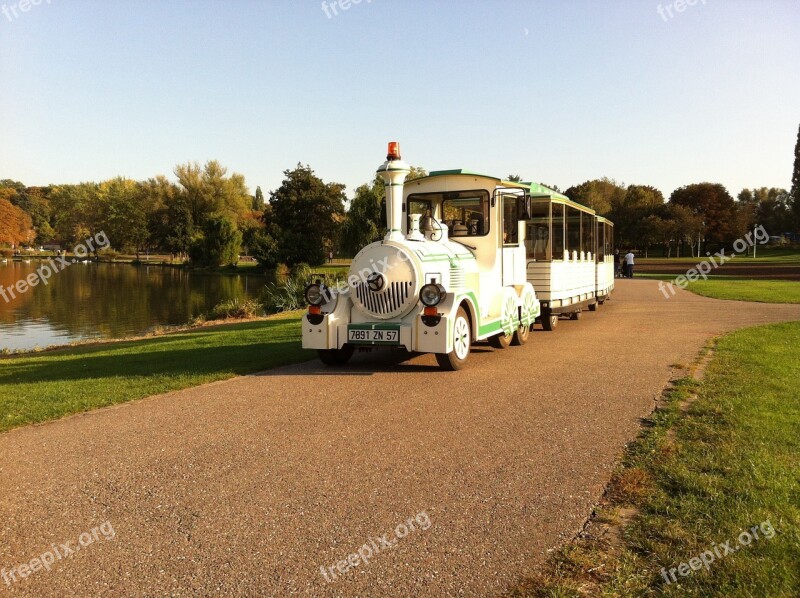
[{"x": 468, "y": 306}]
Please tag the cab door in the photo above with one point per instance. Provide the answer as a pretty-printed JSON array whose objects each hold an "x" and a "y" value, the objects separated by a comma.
[{"x": 512, "y": 243}]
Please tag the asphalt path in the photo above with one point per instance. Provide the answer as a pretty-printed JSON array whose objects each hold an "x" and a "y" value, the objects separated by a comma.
[{"x": 447, "y": 483}]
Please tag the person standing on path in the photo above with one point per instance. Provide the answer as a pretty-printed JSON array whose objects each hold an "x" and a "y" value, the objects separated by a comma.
[{"x": 629, "y": 263}]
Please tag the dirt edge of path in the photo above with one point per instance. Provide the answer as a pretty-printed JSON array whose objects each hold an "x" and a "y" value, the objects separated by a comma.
[{"x": 601, "y": 534}]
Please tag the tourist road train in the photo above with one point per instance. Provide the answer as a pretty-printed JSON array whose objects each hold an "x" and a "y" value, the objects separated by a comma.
[{"x": 467, "y": 257}]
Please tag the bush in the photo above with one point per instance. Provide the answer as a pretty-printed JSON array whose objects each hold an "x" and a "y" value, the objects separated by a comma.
[
  {"x": 264, "y": 249},
  {"x": 286, "y": 290},
  {"x": 300, "y": 273},
  {"x": 277, "y": 298},
  {"x": 218, "y": 245},
  {"x": 6, "y": 252},
  {"x": 235, "y": 308}
]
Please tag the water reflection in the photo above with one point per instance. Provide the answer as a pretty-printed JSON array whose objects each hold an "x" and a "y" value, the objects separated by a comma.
[{"x": 108, "y": 301}]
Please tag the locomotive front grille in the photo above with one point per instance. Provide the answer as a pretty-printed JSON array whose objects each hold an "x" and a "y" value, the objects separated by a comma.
[{"x": 389, "y": 300}]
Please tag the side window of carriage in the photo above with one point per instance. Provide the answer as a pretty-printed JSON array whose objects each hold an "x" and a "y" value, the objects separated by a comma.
[{"x": 538, "y": 246}]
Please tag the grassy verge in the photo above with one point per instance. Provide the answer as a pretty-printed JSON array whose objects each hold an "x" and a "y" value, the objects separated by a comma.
[
  {"x": 740, "y": 289},
  {"x": 40, "y": 387},
  {"x": 702, "y": 473}
]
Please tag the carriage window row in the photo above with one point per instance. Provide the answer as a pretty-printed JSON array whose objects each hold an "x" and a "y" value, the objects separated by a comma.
[{"x": 556, "y": 228}]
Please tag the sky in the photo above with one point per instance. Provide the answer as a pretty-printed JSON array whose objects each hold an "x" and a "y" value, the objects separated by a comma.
[{"x": 559, "y": 92}]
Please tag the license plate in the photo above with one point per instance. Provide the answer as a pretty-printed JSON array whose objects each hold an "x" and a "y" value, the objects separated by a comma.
[{"x": 369, "y": 336}]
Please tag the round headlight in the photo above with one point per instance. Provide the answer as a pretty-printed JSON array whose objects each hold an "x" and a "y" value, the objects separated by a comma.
[
  {"x": 431, "y": 294},
  {"x": 315, "y": 294}
]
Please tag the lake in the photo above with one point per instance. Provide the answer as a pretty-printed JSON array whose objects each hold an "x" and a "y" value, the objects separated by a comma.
[{"x": 106, "y": 301}]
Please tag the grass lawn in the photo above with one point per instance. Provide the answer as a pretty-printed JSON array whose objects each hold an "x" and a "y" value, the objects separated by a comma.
[
  {"x": 764, "y": 255},
  {"x": 699, "y": 476},
  {"x": 740, "y": 289},
  {"x": 49, "y": 385},
  {"x": 764, "y": 291}
]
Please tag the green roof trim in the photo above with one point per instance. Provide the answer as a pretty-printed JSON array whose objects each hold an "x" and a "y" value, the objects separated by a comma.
[
  {"x": 460, "y": 171},
  {"x": 537, "y": 189}
]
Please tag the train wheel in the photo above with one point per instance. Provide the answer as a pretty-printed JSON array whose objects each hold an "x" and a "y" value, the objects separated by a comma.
[
  {"x": 501, "y": 341},
  {"x": 576, "y": 315},
  {"x": 462, "y": 338},
  {"x": 593, "y": 307},
  {"x": 549, "y": 322},
  {"x": 521, "y": 335},
  {"x": 336, "y": 356}
]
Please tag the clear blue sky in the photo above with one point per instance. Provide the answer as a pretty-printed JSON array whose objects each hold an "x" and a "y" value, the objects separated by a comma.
[{"x": 558, "y": 91}]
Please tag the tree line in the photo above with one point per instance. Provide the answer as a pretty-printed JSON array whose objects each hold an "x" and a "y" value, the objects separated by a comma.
[
  {"x": 206, "y": 216},
  {"x": 699, "y": 213},
  {"x": 210, "y": 217}
]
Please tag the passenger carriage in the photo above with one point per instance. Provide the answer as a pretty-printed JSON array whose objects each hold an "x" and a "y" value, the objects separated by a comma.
[
  {"x": 570, "y": 259},
  {"x": 456, "y": 266}
]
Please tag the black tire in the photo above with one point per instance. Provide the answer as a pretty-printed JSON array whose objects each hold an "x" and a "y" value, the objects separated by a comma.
[
  {"x": 336, "y": 357},
  {"x": 462, "y": 339},
  {"x": 501, "y": 341},
  {"x": 593, "y": 307},
  {"x": 576, "y": 315},
  {"x": 521, "y": 335},
  {"x": 549, "y": 323}
]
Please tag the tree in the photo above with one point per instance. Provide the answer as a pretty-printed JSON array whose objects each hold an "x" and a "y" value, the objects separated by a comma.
[
  {"x": 209, "y": 191},
  {"x": 652, "y": 230},
  {"x": 264, "y": 248},
  {"x": 771, "y": 208},
  {"x": 714, "y": 205},
  {"x": 686, "y": 226},
  {"x": 304, "y": 216},
  {"x": 36, "y": 204},
  {"x": 417, "y": 172},
  {"x": 125, "y": 217},
  {"x": 170, "y": 223},
  {"x": 77, "y": 211},
  {"x": 218, "y": 245},
  {"x": 15, "y": 225},
  {"x": 252, "y": 223},
  {"x": 258, "y": 200},
  {"x": 602, "y": 195},
  {"x": 796, "y": 184},
  {"x": 514, "y": 178},
  {"x": 363, "y": 222},
  {"x": 181, "y": 225}
]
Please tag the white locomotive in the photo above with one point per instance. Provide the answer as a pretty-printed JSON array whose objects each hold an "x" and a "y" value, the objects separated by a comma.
[{"x": 452, "y": 269}]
